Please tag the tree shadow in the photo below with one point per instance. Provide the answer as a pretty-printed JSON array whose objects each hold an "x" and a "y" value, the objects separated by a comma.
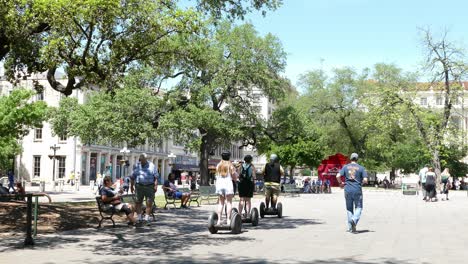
[
  {"x": 219, "y": 258},
  {"x": 285, "y": 222}
]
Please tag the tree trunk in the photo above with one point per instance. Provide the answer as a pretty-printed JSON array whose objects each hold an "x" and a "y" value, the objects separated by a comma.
[
  {"x": 392, "y": 174},
  {"x": 291, "y": 173},
  {"x": 204, "y": 156},
  {"x": 437, "y": 169}
]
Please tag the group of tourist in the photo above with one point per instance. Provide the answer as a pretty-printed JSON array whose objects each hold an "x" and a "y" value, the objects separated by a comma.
[
  {"x": 316, "y": 186},
  {"x": 428, "y": 181},
  {"x": 143, "y": 182}
]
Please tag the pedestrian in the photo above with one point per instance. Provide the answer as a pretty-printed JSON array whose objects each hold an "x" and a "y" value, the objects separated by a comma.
[
  {"x": 246, "y": 184},
  {"x": 430, "y": 185},
  {"x": 144, "y": 183},
  {"x": 225, "y": 174},
  {"x": 422, "y": 180},
  {"x": 445, "y": 180},
  {"x": 272, "y": 173},
  {"x": 11, "y": 180},
  {"x": 355, "y": 175},
  {"x": 72, "y": 178}
]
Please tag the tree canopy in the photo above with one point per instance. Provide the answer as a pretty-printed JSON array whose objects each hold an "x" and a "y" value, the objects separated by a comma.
[{"x": 17, "y": 116}]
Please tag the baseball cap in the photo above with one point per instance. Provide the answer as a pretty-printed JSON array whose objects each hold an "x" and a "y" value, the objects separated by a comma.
[{"x": 354, "y": 156}]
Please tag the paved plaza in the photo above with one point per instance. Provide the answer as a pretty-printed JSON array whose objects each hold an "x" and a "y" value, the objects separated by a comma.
[{"x": 394, "y": 229}]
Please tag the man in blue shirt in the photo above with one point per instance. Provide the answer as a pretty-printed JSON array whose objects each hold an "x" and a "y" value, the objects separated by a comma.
[
  {"x": 146, "y": 175},
  {"x": 355, "y": 175}
]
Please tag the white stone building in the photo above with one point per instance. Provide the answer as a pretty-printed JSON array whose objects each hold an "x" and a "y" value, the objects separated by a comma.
[{"x": 36, "y": 162}]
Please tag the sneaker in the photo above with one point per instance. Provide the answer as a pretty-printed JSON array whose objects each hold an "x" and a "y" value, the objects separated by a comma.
[
  {"x": 148, "y": 223},
  {"x": 139, "y": 223},
  {"x": 353, "y": 227}
]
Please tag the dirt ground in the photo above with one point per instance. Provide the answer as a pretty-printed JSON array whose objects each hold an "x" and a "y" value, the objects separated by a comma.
[{"x": 52, "y": 217}]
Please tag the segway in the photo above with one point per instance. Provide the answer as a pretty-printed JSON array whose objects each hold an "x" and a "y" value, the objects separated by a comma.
[
  {"x": 271, "y": 211},
  {"x": 249, "y": 218},
  {"x": 236, "y": 222}
]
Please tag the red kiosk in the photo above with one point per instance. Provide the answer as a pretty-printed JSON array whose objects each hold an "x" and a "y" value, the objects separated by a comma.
[{"x": 330, "y": 167}]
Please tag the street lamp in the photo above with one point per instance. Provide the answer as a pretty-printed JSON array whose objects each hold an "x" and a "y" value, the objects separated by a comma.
[
  {"x": 171, "y": 157},
  {"x": 124, "y": 151},
  {"x": 54, "y": 148}
]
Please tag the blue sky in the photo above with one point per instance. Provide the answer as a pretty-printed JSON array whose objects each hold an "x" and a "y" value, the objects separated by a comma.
[{"x": 359, "y": 33}]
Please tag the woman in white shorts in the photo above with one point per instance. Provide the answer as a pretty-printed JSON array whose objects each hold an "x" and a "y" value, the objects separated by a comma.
[{"x": 225, "y": 174}]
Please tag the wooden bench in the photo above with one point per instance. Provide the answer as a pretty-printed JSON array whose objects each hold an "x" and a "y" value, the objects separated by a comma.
[
  {"x": 207, "y": 193},
  {"x": 194, "y": 196},
  {"x": 291, "y": 189},
  {"x": 106, "y": 211},
  {"x": 170, "y": 199}
]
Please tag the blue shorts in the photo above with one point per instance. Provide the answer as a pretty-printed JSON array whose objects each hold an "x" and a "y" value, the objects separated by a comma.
[{"x": 177, "y": 195}]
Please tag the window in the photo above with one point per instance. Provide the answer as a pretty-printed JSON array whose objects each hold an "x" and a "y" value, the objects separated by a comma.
[
  {"x": 38, "y": 134},
  {"x": 439, "y": 100},
  {"x": 37, "y": 166},
  {"x": 423, "y": 101},
  {"x": 61, "y": 167},
  {"x": 63, "y": 138}
]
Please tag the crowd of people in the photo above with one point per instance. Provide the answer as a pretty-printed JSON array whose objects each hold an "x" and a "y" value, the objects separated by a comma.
[
  {"x": 316, "y": 186},
  {"x": 428, "y": 183}
]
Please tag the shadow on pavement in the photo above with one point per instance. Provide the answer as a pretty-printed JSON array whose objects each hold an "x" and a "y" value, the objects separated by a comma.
[
  {"x": 282, "y": 223},
  {"x": 218, "y": 258}
]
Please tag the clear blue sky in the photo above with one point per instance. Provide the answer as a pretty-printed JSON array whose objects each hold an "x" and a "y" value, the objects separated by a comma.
[{"x": 359, "y": 33}]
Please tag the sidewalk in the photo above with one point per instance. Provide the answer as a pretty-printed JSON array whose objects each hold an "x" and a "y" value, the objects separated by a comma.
[{"x": 70, "y": 194}]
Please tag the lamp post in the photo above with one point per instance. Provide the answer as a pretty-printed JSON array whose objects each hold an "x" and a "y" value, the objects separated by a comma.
[
  {"x": 124, "y": 151},
  {"x": 54, "y": 148}
]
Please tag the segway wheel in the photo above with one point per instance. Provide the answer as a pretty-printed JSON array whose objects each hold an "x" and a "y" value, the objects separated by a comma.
[
  {"x": 212, "y": 220},
  {"x": 254, "y": 216},
  {"x": 279, "y": 208},
  {"x": 262, "y": 209},
  {"x": 236, "y": 223},
  {"x": 234, "y": 210}
]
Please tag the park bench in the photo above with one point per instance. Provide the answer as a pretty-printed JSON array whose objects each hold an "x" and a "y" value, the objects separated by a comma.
[
  {"x": 291, "y": 189},
  {"x": 106, "y": 211},
  {"x": 169, "y": 198},
  {"x": 207, "y": 193},
  {"x": 194, "y": 196},
  {"x": 409, "y": 186}
]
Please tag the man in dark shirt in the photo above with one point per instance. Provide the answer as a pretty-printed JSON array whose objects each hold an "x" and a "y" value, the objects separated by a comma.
[
  {"x": 272, "y": 173},
  {"x": 171, "y": 190},
  {"x": 355, "y": 175},
  {"x": 112, "y": 198}
]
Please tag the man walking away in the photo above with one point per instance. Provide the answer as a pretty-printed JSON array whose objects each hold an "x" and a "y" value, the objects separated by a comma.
[{"x": 355, "y": 175}]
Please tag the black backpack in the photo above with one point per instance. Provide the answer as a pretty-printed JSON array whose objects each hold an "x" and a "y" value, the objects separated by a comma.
[{"x": 245, "y": 175}]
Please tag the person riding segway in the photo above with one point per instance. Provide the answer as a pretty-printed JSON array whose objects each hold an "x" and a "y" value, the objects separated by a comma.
[
  {"x": 246, "y": 188},
  {"x": 272, "y": 174},
  {"x": 225, "y": 173}
]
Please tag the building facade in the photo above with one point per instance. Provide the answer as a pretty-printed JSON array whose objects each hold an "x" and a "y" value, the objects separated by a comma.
[{"x": 48, "y": 157}]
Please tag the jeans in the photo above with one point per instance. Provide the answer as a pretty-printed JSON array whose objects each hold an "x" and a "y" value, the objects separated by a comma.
[{"x": 353, "y": 206}]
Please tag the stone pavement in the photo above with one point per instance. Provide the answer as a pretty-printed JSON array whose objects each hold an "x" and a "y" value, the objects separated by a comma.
[{"x": 394, "y": 229}]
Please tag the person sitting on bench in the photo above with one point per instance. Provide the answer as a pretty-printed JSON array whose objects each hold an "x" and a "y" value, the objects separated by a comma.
[
  {"x": 112, "y": 197},
  {"x": 171, "y": 190}
]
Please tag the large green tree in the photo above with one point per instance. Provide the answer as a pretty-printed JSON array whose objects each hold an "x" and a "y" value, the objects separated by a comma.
[
  {"x": 96, "y": 42},
  {"x": 334, "y": 104},
  {"x": 292, "y": 136},
  {"x": 18, "y": 114},
  {"x": 125, "y": 116},
  {"x": 213, "y": 104}
]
